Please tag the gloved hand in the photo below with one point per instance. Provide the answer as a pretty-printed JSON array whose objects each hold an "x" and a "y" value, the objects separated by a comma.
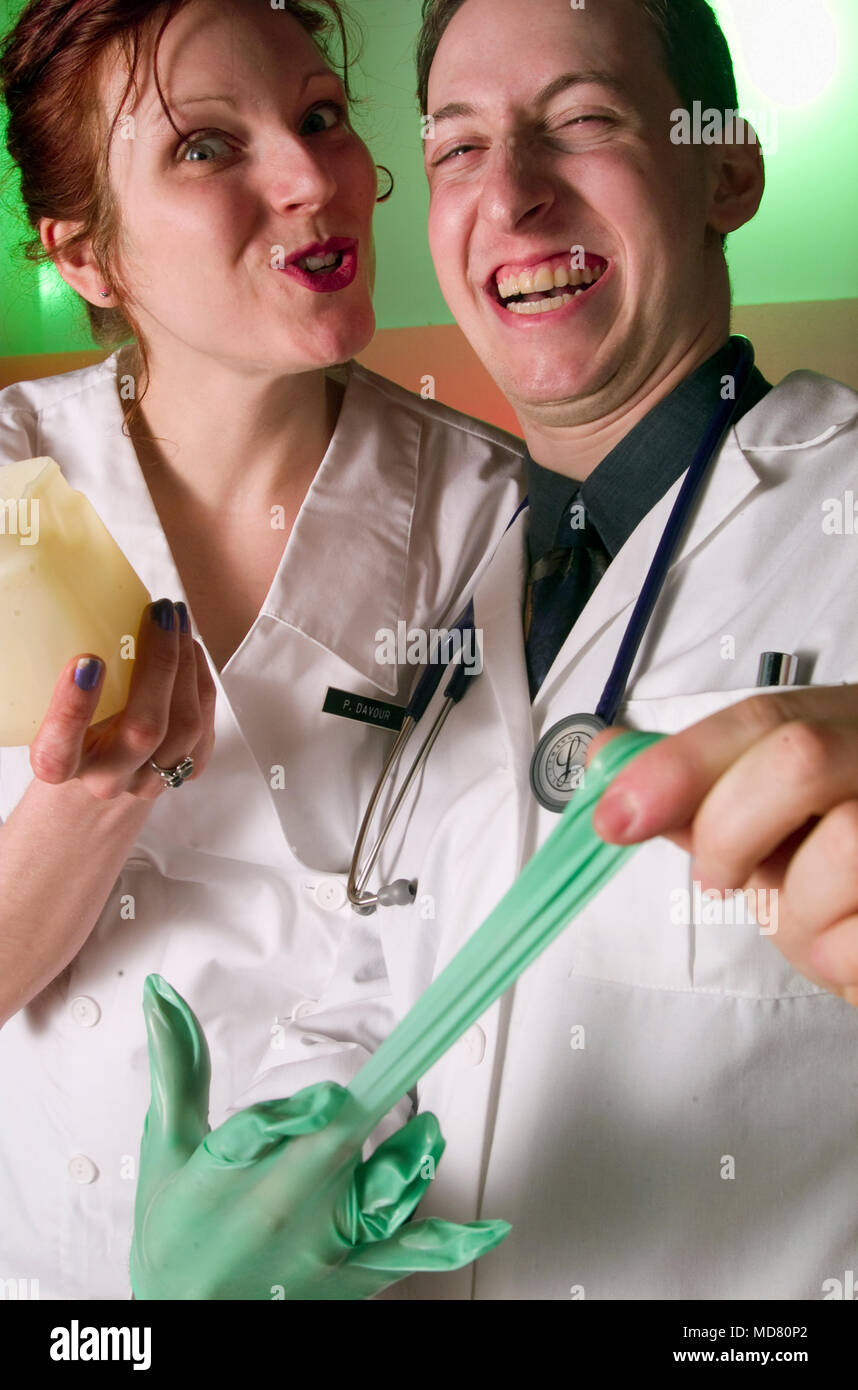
[{"x": 276, "y": 1202}]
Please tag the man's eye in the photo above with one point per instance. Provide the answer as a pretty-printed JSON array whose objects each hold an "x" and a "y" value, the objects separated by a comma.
[
  {"x": 323, "y": 117},
  {"x": 457, "y": 149},
  {"x": 201, "y": 142},
  {"x": 584, "y": 120}
]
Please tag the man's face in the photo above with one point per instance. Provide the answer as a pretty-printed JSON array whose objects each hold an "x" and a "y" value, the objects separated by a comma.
[{"x": 552, "y": 131}]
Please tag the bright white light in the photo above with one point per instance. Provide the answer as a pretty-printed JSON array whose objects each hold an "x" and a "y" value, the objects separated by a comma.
[{"x": 789, "y": 47}]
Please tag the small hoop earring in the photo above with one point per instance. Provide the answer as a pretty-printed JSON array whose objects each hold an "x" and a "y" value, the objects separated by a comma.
[{"x": 383, "y": 197}]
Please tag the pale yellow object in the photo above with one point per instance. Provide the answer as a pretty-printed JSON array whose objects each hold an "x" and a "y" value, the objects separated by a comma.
[{"x": 65, "y": 589}]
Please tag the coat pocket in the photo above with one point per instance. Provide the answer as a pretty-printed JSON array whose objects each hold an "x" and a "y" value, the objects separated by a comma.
[{"x": 653, "y": 927}]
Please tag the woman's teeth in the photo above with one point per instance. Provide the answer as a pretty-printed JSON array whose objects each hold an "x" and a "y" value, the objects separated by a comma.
[
  {"x": 544, "y": 280},
  {"x": 320, "y": 262}
]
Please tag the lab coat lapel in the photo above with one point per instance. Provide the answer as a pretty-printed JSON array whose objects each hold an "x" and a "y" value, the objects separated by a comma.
[
  {"x": 730, "y": 481},
  {"x": 498, "y": 615},
  {"x": 493, "y": 724},
  {"x": 126, "y": 507},
  {"x": 128, "y": 512},
  {"x": 250, "y": 830}
]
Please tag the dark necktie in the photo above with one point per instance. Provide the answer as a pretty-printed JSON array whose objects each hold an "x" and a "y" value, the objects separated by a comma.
[{"x": 558, "y": 588}]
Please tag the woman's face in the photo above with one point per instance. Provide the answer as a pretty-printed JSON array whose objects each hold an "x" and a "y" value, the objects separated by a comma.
[{"x": 272, "y": 167}]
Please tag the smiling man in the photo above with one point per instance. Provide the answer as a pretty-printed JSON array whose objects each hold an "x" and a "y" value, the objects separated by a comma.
[{"x": 658, "y": 1105}]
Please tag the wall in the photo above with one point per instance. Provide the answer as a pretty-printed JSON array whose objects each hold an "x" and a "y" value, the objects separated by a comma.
[{"x": 794, "y": 269}]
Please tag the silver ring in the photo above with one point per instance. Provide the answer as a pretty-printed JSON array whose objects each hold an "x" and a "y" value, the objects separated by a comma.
[{"x": 174, "y": 776}]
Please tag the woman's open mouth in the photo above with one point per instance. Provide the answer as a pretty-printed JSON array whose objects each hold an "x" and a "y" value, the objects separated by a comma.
[{"x": 326, "y": 266}]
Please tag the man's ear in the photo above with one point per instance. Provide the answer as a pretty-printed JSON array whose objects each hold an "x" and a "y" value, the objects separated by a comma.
[
  {"x": 738, "y": 180},
  {"x": 77, "y": 267}
]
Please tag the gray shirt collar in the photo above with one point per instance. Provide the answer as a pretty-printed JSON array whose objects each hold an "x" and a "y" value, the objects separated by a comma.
[{"x": 637, "y": 473}]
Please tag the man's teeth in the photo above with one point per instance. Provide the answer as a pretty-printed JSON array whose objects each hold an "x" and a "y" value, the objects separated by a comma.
[
  {"x": 542, "y": 306},
  {"x": 546, "y": 277},
  {"x": 320, "y": 262}
]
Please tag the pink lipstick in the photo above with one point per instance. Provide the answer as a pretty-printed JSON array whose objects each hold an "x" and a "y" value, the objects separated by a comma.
[{"x": 340, "y": 252}]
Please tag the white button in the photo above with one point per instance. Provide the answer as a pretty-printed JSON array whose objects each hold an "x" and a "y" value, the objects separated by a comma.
[
  {"x": 306, "y": 1006},
  {"x": 85, "y": 1011},
  {"x": 473, "y": 1045},
  {"x": 331, "y": 894},
  {"x": 82, "y": 1169}
]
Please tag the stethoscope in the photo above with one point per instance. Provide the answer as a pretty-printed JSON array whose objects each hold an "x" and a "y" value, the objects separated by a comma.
[{"x": 557, "y": 765}]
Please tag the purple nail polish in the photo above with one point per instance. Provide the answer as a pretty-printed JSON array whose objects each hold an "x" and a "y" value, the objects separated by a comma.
[
  {"x": 163, "y": 614},
  {"x": 184, "y": 620},
  {"x": 87, "y": 672}
]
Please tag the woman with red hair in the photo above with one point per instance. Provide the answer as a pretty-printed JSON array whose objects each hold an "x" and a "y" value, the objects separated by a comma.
[{"x": 191, "y": 170}]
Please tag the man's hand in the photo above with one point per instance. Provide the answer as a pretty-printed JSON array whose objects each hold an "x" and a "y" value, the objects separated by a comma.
[{"x": 763, "y": 795}]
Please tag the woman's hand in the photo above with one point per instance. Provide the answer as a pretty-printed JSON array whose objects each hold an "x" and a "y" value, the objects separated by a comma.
[
  {"x": 169, "y": 714},
  {"x": 764, "y": 795}
]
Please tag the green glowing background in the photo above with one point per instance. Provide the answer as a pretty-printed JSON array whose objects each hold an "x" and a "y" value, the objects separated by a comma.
[{"x": 795, "y": 63}]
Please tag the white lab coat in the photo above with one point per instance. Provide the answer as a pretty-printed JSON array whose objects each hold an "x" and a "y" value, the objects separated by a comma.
[
  {"x": 699, "y": 1138},
  {"x": 235, "y": 889}
]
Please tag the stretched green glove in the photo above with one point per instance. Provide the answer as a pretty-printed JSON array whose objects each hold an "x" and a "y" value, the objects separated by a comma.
[{"x": 276, "y": 1202}]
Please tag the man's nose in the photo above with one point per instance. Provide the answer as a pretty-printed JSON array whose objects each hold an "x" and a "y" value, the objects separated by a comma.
[{"x": 515, "y": 188}]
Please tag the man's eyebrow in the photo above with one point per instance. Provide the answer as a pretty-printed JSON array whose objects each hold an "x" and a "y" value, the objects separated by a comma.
[{"x": 563, "y": 83}]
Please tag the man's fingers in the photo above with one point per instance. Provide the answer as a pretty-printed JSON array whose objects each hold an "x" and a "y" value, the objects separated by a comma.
[
  {"x": 55, "y": 752},
  {"x": 600, "y": 741},
  {"x": 660, "y": 792},
  {"x": 616, "y": 811},
  {"x": 798, "y": 772},
  {"x": 821, "y": 900},
  {"x": 834, "y": 956}
]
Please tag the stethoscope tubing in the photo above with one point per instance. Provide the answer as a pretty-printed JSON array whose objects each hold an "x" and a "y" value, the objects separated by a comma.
[
  {"x": 716, "y": 432},
  {"x": 615, "y": 686}
]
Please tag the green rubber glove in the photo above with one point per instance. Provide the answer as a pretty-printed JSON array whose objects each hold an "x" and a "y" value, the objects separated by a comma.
[
  {"x": 552, "y": 888},
  {"x": 276, "y": 1202}
]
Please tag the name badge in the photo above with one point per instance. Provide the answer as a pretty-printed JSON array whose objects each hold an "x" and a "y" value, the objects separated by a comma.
[{"x": 364, "y": 708}]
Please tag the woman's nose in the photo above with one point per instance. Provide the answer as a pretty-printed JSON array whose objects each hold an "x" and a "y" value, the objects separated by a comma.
[{"x": 298, "y": 178}]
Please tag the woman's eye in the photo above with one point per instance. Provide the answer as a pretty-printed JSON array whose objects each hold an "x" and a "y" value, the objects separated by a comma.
[
  {"x": 323, "y": 117},
  {"x": 198, "y": 143}
]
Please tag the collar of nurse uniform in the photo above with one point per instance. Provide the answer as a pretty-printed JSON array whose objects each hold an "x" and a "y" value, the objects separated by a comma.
[{"x": 353, "y": 533}]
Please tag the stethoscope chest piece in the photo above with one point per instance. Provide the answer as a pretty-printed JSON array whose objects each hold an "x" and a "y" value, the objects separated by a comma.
[{"x": 557, "y": 766}]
